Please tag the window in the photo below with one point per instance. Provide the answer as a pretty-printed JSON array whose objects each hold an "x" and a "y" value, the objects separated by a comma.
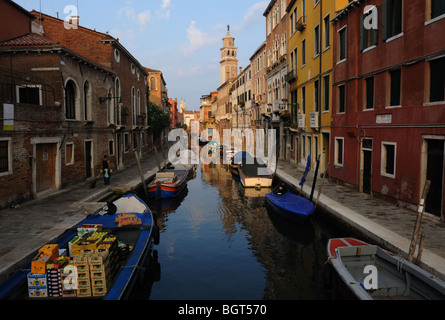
[
  {"x": 437, "y": 80},
  {"x": 317, "y": 40},
  {"x": 342, "y": 44},
  {"x": 437, "y": 8},
  {"x": 316, "y": 88},
  {"x": 135, "y": 140},
  {"x": 133, "y": 104},
  {"x": 369, "y": 93},
  {"x": 388, "y": 163},
  {"x": 341, "y": 98},
  {"x": 392, "y": 18},
  {"x": 29, "y": 94},
  {"x": 153, "y": 85},
  {"x": 326, "y": 92},
  {"x": 69, "y": 153},
  {"x": 327, "y": 31},
  {"x": 111, "y": 147},
  {"x": 303, "y": 99},
  {"x": 5, "y": 156},
  {"x": 303, "y": 53},
  {"x": 395, "y": 87},
  {"x": 368, "y": 36},
  {"x": 70, "y": 100},
  {"x": 339, "y": 151}
]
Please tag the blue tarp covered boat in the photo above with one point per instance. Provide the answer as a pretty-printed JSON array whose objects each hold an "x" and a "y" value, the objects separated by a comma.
[
  {"x": 291, "y": 206},
  {"x": 140, "y": 236}
]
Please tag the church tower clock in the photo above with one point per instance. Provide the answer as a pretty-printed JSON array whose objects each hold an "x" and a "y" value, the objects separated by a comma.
[{"x": 229, "y": 60}]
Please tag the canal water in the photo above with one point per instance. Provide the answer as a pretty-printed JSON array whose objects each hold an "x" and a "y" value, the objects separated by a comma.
[{"x": 220, "y": 241}]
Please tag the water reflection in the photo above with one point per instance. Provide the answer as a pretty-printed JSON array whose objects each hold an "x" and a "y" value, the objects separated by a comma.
[{"x": 222, "y": 242}]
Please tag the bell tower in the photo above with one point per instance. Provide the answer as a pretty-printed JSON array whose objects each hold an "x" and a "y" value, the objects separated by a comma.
[{"x": 229, "y": 60}]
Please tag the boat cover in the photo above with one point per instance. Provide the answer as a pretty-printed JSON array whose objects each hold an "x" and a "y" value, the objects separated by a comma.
[{"x": 292, "y": 203}]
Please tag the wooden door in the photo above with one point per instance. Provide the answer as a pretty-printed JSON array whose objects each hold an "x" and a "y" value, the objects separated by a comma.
[{"x": 45, "y": 166}]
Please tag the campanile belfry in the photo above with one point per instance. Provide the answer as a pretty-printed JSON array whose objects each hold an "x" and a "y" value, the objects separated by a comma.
[{"x": 229, "y": 60}]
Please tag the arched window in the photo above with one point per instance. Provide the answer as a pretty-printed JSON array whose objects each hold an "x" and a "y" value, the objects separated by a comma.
[
  {"x": 118, "y": 100},
  {"x": 87, "y": 100},
  {"x": 133, "y": 104},
  {"x": 110, "y": 107},
  {"x": 70, "y": 100}
]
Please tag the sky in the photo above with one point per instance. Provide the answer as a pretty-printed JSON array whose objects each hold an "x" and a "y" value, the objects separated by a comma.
[{"x": 182, "y": 38}]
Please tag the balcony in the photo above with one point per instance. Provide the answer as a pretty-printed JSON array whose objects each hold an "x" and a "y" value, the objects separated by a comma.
[
  {"x": 301, "y": 24},
  {"x": 291, "y": 76}
]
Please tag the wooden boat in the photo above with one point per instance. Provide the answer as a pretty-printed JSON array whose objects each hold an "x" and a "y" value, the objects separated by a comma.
[
  {"x": 139, "y": 236},
  {"x": 237, "y": 159},
  {"x": 396, "y": 277},
  {"x": 255, "y": 175},
  {"x": 290, "y": 206},
  {"x": 168, "y": 183}
]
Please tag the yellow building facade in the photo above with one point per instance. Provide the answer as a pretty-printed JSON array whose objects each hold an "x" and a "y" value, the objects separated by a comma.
[{"x": 310, "y": 68}]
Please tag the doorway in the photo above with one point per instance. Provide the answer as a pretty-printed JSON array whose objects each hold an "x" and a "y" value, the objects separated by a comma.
[
  {"x": 367, "y": 166},
  {"x": 45, "y": 166},
  {"x": 435, "y": 173},
  {"x": 89, "y": 158}
]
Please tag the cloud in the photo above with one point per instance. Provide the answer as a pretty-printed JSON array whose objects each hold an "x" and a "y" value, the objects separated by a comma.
[
  {"x": 197, "y": 39},
  {"x": 253, "y": 15},
  {"x": 144, "y": 18},
  {"x": 164, "y": 13}
]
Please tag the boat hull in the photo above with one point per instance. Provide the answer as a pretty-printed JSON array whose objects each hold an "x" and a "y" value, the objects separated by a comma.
[
  {"x": 291, "y": 206},
  {"x": 164, "y": 190}
]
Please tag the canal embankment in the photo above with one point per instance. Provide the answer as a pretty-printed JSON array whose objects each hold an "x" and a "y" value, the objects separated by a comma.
[{"x": 375, "y": 220}]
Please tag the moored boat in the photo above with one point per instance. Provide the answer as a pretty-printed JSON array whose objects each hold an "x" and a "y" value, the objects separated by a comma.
[
  {"x": 108, "y": 267},
  {"x": 369, "y": 272},
  {"x": 237, "y": 159},
  {"x": 290, "y": 206},
  {"x": 168, "y": 183},
  {"x": 255, "y": 175}
]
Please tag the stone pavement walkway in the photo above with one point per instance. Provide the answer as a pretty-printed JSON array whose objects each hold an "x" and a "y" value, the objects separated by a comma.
[{"x": 386, "y": 224}]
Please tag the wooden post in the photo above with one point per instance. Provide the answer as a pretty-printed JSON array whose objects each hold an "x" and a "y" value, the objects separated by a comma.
[
  {"x": 321, "y": 186},
  {"x": 157, "y": 158},
  {"x": 420, "y": 210},
  {"x": 141, "y": 174},
  {"x": 315, "y": 179},
  {"x": 419, "y": 254}
]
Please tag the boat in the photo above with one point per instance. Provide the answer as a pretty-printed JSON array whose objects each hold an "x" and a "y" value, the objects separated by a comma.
[
  {"x": 239, "y": 157},
  {"x": 255, "y": 175},
  {"x": 289, "y": 205},
  {"x": 369, "y": 272},
  {"x": 140, "y": 235},
  {"x": 168, "y": 183}
]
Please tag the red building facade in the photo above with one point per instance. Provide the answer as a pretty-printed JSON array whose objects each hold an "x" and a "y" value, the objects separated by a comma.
[{"x": 388, "y": 126}]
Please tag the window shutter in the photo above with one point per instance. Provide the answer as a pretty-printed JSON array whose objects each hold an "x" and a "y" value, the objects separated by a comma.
[{"x": 385, "y": 20}]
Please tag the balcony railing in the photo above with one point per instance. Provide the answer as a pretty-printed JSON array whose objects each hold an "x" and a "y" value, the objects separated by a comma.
[
  {"x": 291, "y": 76},
  {"x": 301, "y": 23}
]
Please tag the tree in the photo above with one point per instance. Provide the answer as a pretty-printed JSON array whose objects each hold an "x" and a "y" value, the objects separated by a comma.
[{"x": 158, "y": 120}]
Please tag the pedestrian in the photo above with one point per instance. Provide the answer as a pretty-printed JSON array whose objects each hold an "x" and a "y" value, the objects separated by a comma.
[{"x": 106, "y": 169}]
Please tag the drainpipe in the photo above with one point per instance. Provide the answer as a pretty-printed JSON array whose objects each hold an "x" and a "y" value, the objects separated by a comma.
[{"x": 321, "y": 71}]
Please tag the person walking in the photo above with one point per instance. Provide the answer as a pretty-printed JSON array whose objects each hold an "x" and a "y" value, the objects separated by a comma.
[{"x": 106, "y": 169}]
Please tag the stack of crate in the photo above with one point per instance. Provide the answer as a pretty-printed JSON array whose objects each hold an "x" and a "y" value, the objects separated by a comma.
[{"x": 81, "y": 262}]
